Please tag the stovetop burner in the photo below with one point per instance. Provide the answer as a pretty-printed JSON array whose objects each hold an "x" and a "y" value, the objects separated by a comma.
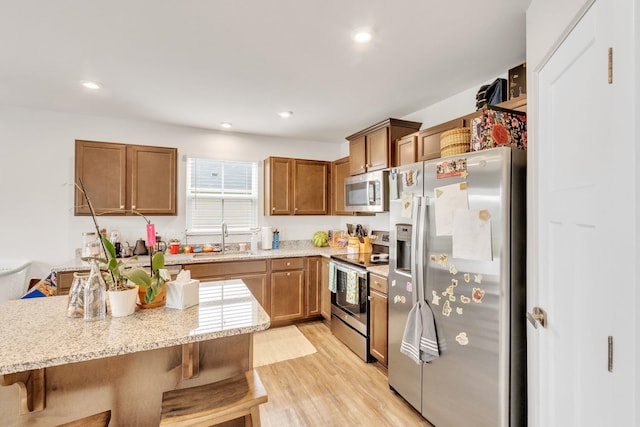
[
  {"x": 379, "y": 255},
  {"x": 364, "y": 260}
]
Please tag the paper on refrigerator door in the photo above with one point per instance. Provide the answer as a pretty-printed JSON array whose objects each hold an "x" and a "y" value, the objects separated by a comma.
[
  {"x": 472, "y": 235},
  {"x": 448, "y": 199}
]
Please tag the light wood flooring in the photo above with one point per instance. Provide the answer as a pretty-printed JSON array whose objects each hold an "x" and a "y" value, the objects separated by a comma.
[{"x": 332, "y": 387}]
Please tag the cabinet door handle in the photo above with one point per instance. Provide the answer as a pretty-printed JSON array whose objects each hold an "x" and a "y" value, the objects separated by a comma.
[
  {"x": 133, "y": 206},
  {"x": 121, "y": 206},
  {"x": 273, "y": 209},
  {"x": 288, "y": 274},
  {"x": 288, "y": 264}
]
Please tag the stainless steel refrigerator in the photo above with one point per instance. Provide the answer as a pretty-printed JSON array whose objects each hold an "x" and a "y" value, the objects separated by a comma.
[{"x": 457, "y": 228}]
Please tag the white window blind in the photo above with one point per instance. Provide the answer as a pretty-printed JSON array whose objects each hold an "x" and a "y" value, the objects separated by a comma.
[{"x": 220, "y": 191}]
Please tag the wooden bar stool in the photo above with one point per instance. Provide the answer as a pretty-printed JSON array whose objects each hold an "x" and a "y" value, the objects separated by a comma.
[
  {"x": 97, "y": 420},
  {"x": 215, "y": 403}
]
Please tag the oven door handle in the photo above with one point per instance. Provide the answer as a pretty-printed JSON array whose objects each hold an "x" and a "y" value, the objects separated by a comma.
[{"x": 361, "y": 273}]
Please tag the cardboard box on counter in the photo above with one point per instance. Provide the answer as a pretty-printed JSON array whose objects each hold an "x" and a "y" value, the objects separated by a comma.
[{"x": 184, "y": 292}]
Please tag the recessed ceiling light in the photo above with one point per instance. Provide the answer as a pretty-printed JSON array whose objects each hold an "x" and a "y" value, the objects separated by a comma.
[
  {"x": 362, "y": 36},
  {"x": 91, "y": 85},
  {"x": 285, "y": 114},
  {"x": 225, "y": 125}
]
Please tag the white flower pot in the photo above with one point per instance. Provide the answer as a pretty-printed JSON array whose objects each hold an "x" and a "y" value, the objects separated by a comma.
[{"x": 123, "y": 303}]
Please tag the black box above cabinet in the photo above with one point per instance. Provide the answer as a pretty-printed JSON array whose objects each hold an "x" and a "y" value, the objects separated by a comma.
[{"x": 518, "y": 81}]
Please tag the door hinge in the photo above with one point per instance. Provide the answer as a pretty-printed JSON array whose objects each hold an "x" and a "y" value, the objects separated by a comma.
[
  {"x": 610, "y": 353},
  {"x": 610, "y": 66}
]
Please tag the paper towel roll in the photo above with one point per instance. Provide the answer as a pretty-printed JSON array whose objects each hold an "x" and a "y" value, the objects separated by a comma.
[{"x": 267, "y": 237}]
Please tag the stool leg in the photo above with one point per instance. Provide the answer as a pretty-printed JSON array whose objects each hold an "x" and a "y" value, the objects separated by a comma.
[{"x": 255, "y": 417}]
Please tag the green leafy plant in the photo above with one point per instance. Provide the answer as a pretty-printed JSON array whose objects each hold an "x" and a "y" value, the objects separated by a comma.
[{"x": 119, "y": 274}]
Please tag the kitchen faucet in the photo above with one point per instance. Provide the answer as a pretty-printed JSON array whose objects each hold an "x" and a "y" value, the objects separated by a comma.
[{"x": 225, "y": 233}]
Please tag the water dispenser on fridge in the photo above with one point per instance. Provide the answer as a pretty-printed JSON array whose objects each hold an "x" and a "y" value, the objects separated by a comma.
[{"x": 403, "y": 248}]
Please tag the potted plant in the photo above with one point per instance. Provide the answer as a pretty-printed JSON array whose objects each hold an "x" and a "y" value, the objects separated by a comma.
[{"x": 151, "y": 287}]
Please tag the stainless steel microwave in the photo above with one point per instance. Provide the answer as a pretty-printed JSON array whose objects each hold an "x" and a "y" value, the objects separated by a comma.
[{"x": 367, "y": 192}]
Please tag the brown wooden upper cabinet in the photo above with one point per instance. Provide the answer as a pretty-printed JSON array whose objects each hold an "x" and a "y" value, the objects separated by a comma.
[
  {"x": 407, "y": 150},
  {"x": 121, "y": 177},
  {"x": 296, "y": 186},
  {"x": 339, "y": 171},
  {"x": 372, "y": 148}
]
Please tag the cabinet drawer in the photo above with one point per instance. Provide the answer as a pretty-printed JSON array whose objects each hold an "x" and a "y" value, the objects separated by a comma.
[
  {"x": 378, "y": 283},
  {"x": 210, "y": 269},
  {"x": 287, "y": 264}
]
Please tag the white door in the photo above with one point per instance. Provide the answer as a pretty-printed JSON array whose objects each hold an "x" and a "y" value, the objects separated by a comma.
[{"x": 586, "y": 231}]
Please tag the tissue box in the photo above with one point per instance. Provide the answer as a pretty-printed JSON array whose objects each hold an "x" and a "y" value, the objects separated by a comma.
[{"x": 182, "y": 295}]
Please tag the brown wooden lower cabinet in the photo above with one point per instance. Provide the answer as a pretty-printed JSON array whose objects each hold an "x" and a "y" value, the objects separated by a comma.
[
  {"x": 378, "y": 318},
  {"x": 325, "y": 293},
  {"x": 254, "y": 274},
  {"x": 287, "y": 295},
  {"x": 295, "y": 289},
  {"x": 314, "y": 281}
]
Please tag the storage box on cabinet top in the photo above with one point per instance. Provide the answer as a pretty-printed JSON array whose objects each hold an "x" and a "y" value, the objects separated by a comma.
[{"x": 499, "y": 127}]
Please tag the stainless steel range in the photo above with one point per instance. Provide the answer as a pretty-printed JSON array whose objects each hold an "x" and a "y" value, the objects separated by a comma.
[{"x": 350, "y": 301}]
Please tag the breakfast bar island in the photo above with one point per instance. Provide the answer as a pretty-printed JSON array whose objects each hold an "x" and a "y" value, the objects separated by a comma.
[{"x": 55, "y": 369}]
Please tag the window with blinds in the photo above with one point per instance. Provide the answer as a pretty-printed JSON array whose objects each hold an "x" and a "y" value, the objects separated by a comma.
[{"x": 220, "y": 191}]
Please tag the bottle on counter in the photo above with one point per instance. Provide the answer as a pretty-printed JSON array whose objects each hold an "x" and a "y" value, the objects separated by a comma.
[
  {"x": 95, "y": 294},
  {"x": 276, "y": 239},
  {"x": 254, "y": 241}
]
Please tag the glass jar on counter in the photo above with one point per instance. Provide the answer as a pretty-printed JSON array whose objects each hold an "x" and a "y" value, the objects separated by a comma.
[{"x": 90, "y": 247}]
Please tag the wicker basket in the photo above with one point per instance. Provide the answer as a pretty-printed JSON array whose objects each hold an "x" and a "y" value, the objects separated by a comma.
[{"x": 455, "y": 141}]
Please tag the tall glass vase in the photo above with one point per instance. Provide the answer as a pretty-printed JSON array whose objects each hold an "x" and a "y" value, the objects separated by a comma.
[{"x": 95, "y": 294}]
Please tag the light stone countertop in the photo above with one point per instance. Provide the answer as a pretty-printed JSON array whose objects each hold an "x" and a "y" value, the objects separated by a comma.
[
  {"x": 37, "y": 334},
  {"x": 179, "y": 259}
]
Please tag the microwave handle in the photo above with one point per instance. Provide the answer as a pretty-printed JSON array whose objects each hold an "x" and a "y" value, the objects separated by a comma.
[{"x": 371, "y": 192}]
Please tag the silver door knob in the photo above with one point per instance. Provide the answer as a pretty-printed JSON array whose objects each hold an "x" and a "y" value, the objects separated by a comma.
[{"x": 537, "y": 315}]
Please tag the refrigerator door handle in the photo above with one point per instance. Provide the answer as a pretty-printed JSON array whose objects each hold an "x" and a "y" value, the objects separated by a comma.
[
  {"x": 415, "y": 240},
  {"x": 421, "y": 247}
]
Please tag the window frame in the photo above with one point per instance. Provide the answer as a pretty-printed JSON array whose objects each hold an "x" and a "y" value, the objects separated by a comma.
[{"x": 192, "y": 193}]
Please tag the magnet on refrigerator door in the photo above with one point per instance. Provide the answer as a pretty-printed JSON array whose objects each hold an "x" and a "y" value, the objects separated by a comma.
[
  {"x": 436, "y": 298},
  {"x": 462, "y": 338},
  {"x": 477, "y": 295},
  {"x": 446, "y": 309},
  {"x": 452, "y": 269}
]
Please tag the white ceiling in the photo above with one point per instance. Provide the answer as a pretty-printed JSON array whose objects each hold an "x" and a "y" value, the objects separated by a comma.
[{"x": 202, "y": 62}]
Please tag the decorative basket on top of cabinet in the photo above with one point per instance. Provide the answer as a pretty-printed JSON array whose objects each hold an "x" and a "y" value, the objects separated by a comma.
[{"x": 455, "y": 141}]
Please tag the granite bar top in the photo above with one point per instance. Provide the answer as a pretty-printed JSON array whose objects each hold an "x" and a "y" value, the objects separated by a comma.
[{"x": 36, "y": 333}]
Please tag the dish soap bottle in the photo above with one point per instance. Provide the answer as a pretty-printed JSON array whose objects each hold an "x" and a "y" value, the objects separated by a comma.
[{"x": 95, "y": 294}]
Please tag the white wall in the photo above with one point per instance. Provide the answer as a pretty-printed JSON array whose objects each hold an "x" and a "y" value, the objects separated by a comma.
[
  {"x": 455, "y": 106},
  {"x": 37, "y": 170}
]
